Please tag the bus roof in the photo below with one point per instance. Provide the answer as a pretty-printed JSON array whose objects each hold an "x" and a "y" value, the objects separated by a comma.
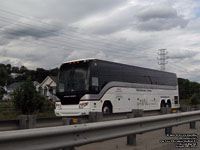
[
  {"x": 84, "y": 59},
  {"x": 89, "y": 59}
]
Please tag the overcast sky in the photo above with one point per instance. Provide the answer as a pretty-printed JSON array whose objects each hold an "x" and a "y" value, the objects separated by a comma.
[{"x": 45, "y": 33}]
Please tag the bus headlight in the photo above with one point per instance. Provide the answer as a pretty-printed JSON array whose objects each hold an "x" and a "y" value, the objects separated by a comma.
[
  {"x": 82, "y": 105},
  {"x": 58, "y": 106}
]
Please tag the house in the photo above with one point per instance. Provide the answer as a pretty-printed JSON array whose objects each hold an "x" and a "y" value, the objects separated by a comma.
[
  {"x": 37, "y": 85},
  {"x": 10, "y": 89},
  {"x": 15, "y": 75},
  {"x": 48, "y": 87},
  {"x": 2, "y": 92}
]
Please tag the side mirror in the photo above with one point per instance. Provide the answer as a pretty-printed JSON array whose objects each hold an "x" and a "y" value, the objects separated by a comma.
[{"x": 95, "y": 81}]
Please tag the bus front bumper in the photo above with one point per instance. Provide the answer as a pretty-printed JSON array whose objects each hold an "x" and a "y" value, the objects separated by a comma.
[{"x": 71, "y": 112}]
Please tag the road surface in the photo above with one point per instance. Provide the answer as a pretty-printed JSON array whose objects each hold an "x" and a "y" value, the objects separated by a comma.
[{"x": 148, "y": 141}]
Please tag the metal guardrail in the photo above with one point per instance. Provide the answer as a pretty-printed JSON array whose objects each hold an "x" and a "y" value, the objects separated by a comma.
[
  {"x": 6, "y": 125},
  {"x": 80, "y": 134}
]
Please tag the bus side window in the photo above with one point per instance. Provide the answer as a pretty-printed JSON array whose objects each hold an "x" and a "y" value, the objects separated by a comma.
[{"x": 176, "y": 99}]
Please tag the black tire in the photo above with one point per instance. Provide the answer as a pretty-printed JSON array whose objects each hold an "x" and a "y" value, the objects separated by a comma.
[
  {"x": 106, "y": 109},
  {"x": 162, "y": 104},
  {"x": 168, "y": 105}
]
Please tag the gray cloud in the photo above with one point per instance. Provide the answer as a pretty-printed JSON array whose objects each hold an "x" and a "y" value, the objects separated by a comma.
[
  {"x": 152, "y": 13},
  {"x": 127, "y": 27},
  {"x": 14, "y": 62},
  {"x": 134, "y": 18},
  {"x": 67, "y": 10},
  {"x": 157, "y": 19},
  {"x": 34, "y": 57},
  {"x": 36, "y": 31},
  {"x": 116, "y": 22},
  {"x": 4, "y": 40},
  {"x": 184, "y": 55}
]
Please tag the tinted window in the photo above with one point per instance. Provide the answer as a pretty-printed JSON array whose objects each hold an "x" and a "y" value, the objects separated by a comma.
[
  {"x": 109, "y": 71},
  {"x": 73, "y": 77},
  {"x": 79, "y": 78}
]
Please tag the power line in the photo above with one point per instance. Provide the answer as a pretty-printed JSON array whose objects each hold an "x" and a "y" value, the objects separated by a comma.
[
  {"x": 41, "y": 22},
  {"x": 124, "y": 50},
  {"x": 65, "y": 44},
  {"x": 77, "y": 47},
  {"x": 64, "y": 34},
  {"x": 73, "y": 48},
  {"x": 82, "y": 40},
  {"x": 76, "y": 41}
]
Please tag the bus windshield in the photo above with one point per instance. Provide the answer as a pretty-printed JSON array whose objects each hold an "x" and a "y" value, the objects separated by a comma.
[{"x": 73, "y": 78}]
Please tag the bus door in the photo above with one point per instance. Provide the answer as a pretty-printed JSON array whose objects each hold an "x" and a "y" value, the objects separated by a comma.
[
  {"x": 119, "y": 100},
  {"x": 124, "y": 99},
  {"x": 141, "y": 99}
]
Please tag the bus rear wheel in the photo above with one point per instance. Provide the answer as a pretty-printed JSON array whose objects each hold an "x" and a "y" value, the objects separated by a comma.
[
  {"x": 168, "y": 104},
  {"x": 106, "y": 109}
]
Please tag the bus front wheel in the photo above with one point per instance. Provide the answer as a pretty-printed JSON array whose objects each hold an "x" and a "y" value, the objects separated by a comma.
[{"x": 107, "y": 108}]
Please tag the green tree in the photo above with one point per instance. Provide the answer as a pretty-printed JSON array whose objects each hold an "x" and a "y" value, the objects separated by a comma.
[
  {"x": 3, "y": 75},
  {"x": 27, "y": 100},
  {"x": 15, "y": 69},
  {"x": 189, "y": 92},
  {"x": 195, "y": 99},
  {"x": 8, "y": 67},
  {"x": 41, "y": 74},
  {"x": 23, "y": 69}
]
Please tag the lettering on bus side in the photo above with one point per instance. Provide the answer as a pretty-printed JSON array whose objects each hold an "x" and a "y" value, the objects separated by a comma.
[
  {"x": 141, "y": 102},
  {"x": 164, "y": 97},
  {"x": 140, "y": 90},
  {"x": 143, "y": 90},
  {"x": 118, "y": 90}
]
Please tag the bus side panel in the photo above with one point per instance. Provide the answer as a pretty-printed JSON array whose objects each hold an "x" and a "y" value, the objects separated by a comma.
[{"x": 124, "y": 99}]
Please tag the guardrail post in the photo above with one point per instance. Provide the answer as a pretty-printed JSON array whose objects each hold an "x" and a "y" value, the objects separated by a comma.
[
  {"x": 198, "y": 107},
  {"x": 131, "y": 139},
  {"x": 168, "y": 130},
  {"x": 31, "y": 121},
  {"x": 95, "y": 116},
  {"x": 163, "y": 110},
  {"x": 23, "y": 121},
  {"x": 166, "y": 110},
  {"x": 27, "y": 121},
  {"x": 70, "y": 121},
  {"x": 188, "y": 108},
  {"x": 193, "y": 123},
  {"x": 67, "y": 121},
  {"x": 185, "y": 108}
]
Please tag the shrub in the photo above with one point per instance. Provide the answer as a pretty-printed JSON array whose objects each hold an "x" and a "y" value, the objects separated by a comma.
[
  {"x": 195, "y": 99},
  {"x": 27, "y": 100}
]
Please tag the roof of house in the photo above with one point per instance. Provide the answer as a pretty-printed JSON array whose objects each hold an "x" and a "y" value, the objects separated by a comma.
[
  {"x": 54, "y": 78},
  {"x": 13, "y": 86},
  {"x": 15, "y": 75}
]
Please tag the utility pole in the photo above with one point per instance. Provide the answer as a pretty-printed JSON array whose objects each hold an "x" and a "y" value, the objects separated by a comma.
[{"x": 162, "y": 59}]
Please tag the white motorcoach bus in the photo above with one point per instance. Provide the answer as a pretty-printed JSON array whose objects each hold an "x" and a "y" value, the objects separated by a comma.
[{"x": 93, "y": 85}]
